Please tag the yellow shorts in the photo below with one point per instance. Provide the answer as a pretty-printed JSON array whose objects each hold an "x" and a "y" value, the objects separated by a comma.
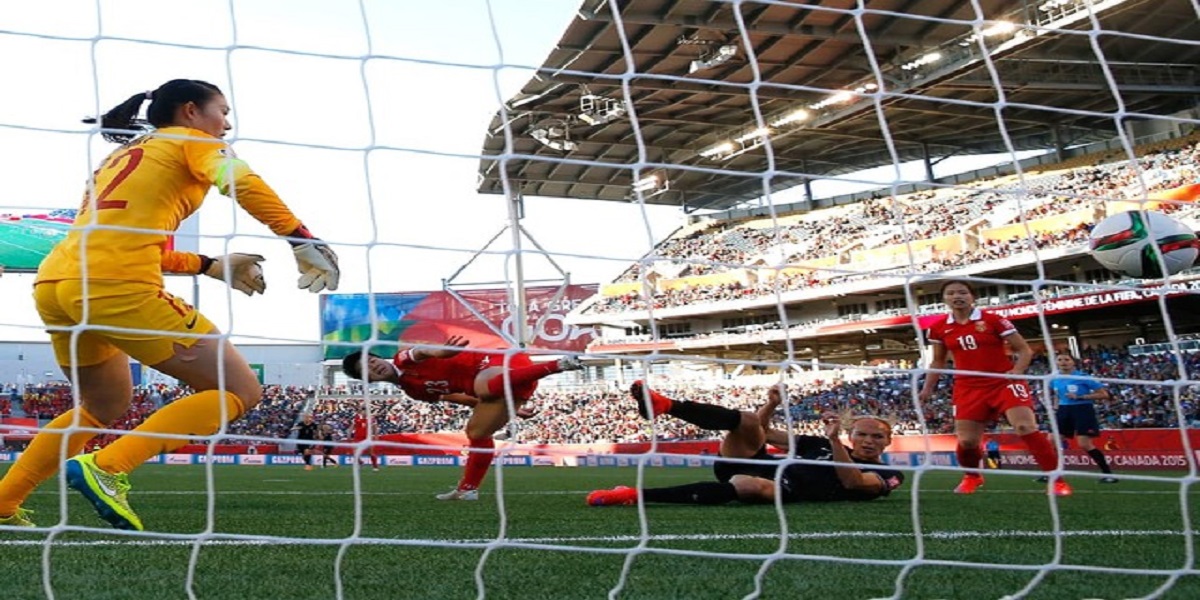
[{"x": 158, "y": 315}]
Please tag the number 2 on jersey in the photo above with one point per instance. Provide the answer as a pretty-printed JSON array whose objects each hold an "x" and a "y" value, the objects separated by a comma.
[{"x": 103, "y": 202}]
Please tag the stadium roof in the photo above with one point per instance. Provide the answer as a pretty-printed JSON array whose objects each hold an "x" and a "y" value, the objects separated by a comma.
[{"x": 939, "y": 96}]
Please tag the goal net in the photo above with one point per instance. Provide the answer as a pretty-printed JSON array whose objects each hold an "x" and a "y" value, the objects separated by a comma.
[{"x": 763, "y": 193}]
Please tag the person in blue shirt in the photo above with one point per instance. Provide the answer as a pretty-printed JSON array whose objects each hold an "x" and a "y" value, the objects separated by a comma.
[
  {"x": 1075, "y": 393},
  {"x": 993, "y": 453}
]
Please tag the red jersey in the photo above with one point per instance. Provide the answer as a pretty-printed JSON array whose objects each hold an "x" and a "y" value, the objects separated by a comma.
[
  {"x": 977, "y": 345},
  {"x": 431, "y": 379},
  {"x": 360, "y": 427}
]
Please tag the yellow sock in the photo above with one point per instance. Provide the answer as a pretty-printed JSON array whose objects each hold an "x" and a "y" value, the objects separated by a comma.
[
  {"x": 41, "y": 459},
  {"x": 190, "y": 416}
]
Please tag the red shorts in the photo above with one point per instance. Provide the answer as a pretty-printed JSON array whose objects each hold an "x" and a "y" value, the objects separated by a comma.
[
  {"x": 988, "y": 404},
  {"x": 521, "y": 392}
]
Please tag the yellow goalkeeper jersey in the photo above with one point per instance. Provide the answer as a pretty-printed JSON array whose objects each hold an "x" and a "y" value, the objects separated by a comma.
[{"x": 143, "y": 191}]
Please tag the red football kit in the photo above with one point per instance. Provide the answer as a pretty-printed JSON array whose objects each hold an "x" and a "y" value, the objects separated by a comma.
[
  {"x": 360, "y": 428},
  {"x": 978, "y": 345},
  {"x": 430, "y": 379}
]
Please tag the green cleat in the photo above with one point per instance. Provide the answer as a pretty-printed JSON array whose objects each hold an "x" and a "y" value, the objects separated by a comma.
[
  {"x": 18, "y": 519},
  {"x": 106, "y": 491}
]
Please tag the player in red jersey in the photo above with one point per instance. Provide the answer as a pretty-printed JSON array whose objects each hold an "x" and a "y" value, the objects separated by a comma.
[
  {"x": 471, "y": 378},
  {"x": 984, "y": 342},
  {"x": 364, "y": 430}
]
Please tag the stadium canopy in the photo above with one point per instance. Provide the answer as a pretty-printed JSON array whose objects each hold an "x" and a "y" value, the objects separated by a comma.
[{"x": 836, "y": 91}]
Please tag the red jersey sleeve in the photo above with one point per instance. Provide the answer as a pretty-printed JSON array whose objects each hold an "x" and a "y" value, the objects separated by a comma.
[
  {"x": 403, "y": 358},
  {"x": 1003, "y": 326}
]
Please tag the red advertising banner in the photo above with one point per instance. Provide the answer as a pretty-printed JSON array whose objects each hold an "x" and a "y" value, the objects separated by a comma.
[{"x": 18, "y": 428}]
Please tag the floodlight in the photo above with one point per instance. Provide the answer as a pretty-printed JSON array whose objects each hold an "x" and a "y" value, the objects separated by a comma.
[
  {"x": 598, "y": 110},
  {"x": 555, "y": 134},
  {"x": 712, "y": 58}
]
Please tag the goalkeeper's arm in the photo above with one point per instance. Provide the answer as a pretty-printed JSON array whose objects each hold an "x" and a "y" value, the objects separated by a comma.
[
  {"x": 315, "y": 260},
  {"x": 242, "y": 272}
]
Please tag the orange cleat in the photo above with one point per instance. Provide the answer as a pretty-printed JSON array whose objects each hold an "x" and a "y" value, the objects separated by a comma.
[
  {"x": 969, "y": 484},
  {"x": 659, "y": 404},
  {"x": 1061, "y": 488},
  {"x": 618, "y": 496}
]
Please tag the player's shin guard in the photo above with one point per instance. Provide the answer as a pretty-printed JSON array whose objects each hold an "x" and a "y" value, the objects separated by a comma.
[
  {"x": 478, "y": 464},
  {"x": 1041, "y": 449},
  {"x": 43, "y": 457},
  {"x": 706, "y": 416},
  {"x": 705, "y": 492},
  {"x": 520, "y": 377},
  {"x": 202, "y": 413},
  {"x": 968, "y": 458}
]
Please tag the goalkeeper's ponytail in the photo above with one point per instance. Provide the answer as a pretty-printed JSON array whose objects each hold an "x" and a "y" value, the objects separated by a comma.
[{"x": 121, "y": 124}]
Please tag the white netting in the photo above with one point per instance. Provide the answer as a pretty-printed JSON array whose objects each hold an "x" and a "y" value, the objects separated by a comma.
[{"x": 367, "y": 119}]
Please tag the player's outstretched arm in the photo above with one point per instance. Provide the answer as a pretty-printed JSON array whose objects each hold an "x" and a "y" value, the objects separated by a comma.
[
  {"x": 316, "y": 261},
  {"x": 241, "y": 271},
  {"x": 416, "y": 354},
  {"x": 766, "y": 412}
]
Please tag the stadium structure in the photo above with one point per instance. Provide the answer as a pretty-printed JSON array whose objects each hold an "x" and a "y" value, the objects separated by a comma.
[{"x": 724, "y": 109}]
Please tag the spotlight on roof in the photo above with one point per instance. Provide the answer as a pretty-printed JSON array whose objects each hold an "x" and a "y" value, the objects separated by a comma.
[
  {"x": 719, "y": 150},
  {"x": 598, "y": 110},
  {"x": 713, "y": 56},
  {"x": 554, "y": 134},
  {"x": 794, "y": 116},
  {"x": 650, "y": 186}
]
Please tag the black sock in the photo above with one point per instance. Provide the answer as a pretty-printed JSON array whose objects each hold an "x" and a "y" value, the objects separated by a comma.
[
  {"x": 705, "y": 492},
  {"x": 1100, "y": 459},
  {"x": 706, "y": 416}
]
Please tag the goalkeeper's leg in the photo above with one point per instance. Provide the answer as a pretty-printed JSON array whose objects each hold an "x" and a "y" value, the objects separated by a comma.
[
  {"x": 199, "y": 365},
  {"x": 202, "y": 413},
  {"x": 106, "y": 389}
]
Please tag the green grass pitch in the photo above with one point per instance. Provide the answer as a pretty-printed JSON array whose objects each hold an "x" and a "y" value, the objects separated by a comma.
[{"x": 543, "y": 542}]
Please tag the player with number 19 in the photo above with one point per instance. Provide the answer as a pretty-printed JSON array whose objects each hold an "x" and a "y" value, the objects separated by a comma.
[{"x": 984, "y": 342}]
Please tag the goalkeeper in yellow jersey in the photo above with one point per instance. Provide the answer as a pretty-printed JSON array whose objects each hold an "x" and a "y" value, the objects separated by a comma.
[{"x": 100, "y": 294}]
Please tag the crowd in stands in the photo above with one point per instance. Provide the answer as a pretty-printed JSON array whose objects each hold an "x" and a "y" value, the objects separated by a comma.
[
  {"x": 876, "y": 223},
  {"x": 606, "y": 413}
]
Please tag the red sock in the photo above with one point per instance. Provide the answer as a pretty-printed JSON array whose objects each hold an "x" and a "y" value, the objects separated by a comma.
[
  {"x": 1041, "y": 449},
  {"x": 478, "y": 464},
  {"x": 968, "y": 458},
  {"x": 521, "y": 376}
]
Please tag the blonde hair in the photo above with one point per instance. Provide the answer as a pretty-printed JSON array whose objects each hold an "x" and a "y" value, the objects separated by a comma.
[{"x": 848, "y": 419}]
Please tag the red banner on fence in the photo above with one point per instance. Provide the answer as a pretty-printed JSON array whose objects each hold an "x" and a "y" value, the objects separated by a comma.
[{"x": 18, "y": 429}]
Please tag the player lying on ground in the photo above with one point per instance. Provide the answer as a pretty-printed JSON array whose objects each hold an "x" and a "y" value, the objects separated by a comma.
[
  {"x": 840, "y": 478},
  {"x": 471, "y": 378}
]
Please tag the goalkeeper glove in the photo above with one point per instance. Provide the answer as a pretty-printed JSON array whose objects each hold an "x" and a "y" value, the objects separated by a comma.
[
  {"x": 316, "y": 261},
  {"x": 243, "y": 271}
]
